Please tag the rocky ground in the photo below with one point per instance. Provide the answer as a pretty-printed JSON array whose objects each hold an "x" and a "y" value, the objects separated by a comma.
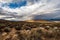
[{"x": 22, "y": 30}]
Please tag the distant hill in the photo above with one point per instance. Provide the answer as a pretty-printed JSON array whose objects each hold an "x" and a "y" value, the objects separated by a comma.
[{"x": 40, "y": 21}]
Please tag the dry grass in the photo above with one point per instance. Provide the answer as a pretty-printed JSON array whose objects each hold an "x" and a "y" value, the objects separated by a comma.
[{"x": 29, "y": 31}]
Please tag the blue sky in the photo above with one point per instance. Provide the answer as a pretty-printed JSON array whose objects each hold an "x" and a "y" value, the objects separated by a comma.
[
  {"x": 15, "y": 4},
  {"x": 19, "y": 4}
]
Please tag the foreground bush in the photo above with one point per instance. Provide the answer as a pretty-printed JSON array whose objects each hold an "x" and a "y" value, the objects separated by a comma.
[{"x": 29, "y": 31}]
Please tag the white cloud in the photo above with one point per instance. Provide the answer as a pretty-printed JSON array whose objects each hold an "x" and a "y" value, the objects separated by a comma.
[
  {"x": 5, "y": 1},
  {"x": 27, "y": 12}
]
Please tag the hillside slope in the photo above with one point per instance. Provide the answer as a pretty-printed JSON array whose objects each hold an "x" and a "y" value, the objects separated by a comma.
[{"x": 27, "y": 30}]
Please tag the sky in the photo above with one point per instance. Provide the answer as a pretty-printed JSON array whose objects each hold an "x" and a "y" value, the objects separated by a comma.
[
  {"x": 16, "y": 5},
  {"x": 21, "y": 10}
]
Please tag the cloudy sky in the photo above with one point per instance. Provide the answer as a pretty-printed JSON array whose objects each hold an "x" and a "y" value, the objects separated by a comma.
[{"x": 21, "y": 10}]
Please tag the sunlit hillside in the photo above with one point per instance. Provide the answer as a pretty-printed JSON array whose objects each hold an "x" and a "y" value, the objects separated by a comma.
[{"x": 39, "y": 21}]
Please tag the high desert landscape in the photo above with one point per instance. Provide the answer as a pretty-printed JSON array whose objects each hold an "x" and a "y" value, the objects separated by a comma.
[
  {"x": 29, "y": 30},
  {"x": 29, "y": 19}
]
